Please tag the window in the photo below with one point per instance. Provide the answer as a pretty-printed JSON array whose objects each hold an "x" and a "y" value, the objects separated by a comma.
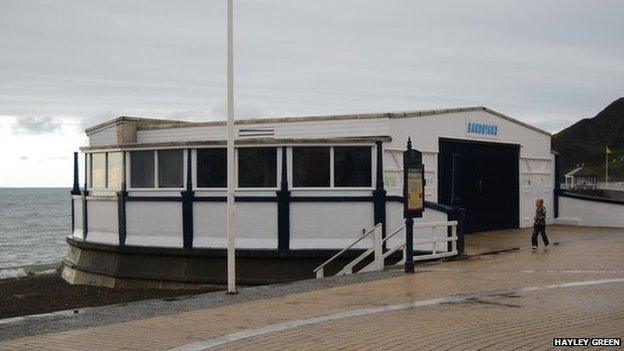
[
  {"x": 170, "y": 169},
  {"x": 115, "y": 167},
  {"x": 142, "y": 169},
  {"x": 212, "y": 168},
  {"x": 352, "y": 166},
  {"x": 98, "y": 171},
  {"x": 257, "y": 167},
  {"x": 311, "y": 166}
]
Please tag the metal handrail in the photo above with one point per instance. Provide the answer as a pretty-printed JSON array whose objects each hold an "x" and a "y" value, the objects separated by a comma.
[
  {"x": 369, "y": 232},
  {"x": 398, "y": 230}
]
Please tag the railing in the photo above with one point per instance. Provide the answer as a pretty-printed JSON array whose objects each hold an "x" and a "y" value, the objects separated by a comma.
[
  {"x": 434, "y": 240},
  {"x": 320, "y": 270},
  {"x": 618, "y": 186},
  {"x": 380, "y": 256}
]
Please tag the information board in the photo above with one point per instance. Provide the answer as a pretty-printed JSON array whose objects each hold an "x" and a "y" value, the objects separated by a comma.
[{"x": 415, "y": 189}]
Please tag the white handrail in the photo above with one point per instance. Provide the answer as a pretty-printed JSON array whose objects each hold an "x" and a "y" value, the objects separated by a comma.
[
  {"x": 434, "y": 224},
  {"x": 322, "y": 266},
  {"x": 394, "y": 233},
  {"x": 378, "y": 262}
]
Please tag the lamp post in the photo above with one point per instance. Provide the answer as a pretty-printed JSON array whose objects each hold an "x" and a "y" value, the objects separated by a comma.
[{"x": 230, "y": 208}]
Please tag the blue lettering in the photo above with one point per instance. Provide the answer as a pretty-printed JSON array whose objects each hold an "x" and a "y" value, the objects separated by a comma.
[{"x": 481, "y": 128}]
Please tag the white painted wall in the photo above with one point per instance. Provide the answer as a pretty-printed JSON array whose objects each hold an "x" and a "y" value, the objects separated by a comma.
[
  {"x": 107, "y": 136},
  {"x": 156, "y": 224},
  {"x": 256, "y": 225},
  {"x": 590, "y": 213},
  {"x": 536, "y": 160},
  {"x": 333, "y": 129},
  {"x": 181, "y": 134},
  {"x": 536, "y": 181},
  {"x": 103, "y": 223},
  {"x": 328, "y": 225},
  {"x": 308, "y": 129},
  {"x": 78, "y": 231}
]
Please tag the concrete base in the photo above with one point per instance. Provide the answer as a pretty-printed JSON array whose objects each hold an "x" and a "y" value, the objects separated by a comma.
[
  {"x": 166, "y": 268},
  {"x": 76, "y": 277}
]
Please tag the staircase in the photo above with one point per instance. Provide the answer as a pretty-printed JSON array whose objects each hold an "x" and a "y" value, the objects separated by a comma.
[{"x": 378, "y": 241}]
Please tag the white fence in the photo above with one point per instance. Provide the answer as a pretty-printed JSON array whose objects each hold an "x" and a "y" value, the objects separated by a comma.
[{"x": 618, "y": 186}]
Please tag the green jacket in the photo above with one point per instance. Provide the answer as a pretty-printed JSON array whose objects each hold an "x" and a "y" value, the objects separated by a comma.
[{"x": 540, "y": 216}]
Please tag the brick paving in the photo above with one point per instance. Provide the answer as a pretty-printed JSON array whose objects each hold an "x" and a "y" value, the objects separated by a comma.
[{"x": 501, "y": 317}]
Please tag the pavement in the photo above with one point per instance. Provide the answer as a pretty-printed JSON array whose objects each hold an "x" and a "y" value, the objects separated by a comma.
[{"x": 500, "y": 296}]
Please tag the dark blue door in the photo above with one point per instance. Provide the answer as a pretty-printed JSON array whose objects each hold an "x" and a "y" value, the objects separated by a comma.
[{"x": 481, "y": 177}]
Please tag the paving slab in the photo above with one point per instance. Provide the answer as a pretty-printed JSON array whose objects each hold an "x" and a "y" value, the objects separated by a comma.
[{"x": 517, "y": 299}]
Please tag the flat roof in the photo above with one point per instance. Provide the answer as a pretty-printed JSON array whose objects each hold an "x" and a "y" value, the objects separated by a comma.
[
  {"x": 242, "y": 142},
  {"x": 157, "y": 123}
]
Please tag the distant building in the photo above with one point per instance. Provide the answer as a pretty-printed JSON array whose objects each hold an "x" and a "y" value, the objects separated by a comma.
[{"x": 582, "y": 178}]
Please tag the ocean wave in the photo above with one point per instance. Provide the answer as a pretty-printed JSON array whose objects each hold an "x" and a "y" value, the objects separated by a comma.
[
  {"x": 12, "y": 273},
  {"x": 29, "y": 270}
]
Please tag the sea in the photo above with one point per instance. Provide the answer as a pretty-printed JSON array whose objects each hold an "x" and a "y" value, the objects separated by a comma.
[{"x": 33, "y": 225}]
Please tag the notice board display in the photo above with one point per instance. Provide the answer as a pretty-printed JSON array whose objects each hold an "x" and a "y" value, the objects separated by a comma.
[
  {"x": 415, "y": 189},
  {"x": 413, "y": 183}
]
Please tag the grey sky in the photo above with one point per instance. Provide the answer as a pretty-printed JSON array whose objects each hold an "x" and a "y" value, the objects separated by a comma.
[{"x": 68, "y": 64}]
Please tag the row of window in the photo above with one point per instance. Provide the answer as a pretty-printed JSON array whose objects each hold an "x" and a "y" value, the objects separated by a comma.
[{"x": 318, "y": 167}]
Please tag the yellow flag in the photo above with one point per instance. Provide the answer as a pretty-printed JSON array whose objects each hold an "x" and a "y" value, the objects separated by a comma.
[{"x": 607, "y": 150}]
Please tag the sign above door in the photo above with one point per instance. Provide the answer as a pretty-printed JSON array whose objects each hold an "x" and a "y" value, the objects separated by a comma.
[{"x": 482, "y": 129}]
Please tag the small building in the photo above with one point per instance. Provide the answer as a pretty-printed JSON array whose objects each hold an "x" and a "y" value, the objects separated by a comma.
[
  {"x": 581, "y": 178},
  {"x": 153, "y": 204}
]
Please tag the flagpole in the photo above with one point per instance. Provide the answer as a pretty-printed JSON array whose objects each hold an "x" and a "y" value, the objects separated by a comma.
[
  {"x": 606, "y": 164},
  {"x": 230, "y": 207}
]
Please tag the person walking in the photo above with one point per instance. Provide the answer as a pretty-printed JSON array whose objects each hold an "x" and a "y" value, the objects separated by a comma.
[{"x": 539, "y": 224}]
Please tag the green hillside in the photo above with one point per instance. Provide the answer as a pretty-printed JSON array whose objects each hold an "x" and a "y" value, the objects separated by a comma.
[{"x": 585, "y": 141}]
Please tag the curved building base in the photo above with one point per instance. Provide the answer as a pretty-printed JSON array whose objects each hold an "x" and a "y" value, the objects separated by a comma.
[{"x": 168, "y": 268}]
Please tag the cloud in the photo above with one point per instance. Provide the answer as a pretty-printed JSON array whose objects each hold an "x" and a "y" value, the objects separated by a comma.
[
  {"x": 36, "y": 125},
  {"x": 241, "y": 110},
  {"x": 555, "y": 125},
  {"x": 56, "y": 158},
  {"x": 43, "y": 158}
]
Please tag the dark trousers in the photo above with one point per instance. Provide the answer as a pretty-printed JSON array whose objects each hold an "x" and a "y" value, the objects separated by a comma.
[{"x": 539, "y": 229}]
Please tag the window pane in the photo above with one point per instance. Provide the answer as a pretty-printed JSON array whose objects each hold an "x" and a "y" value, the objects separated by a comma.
[
  {"x": 98, "y": 170},
  {"x": 352, "y": 166},
  {"x": 257, "y": 167},
  {"x": 115, "y": 167},
  {"x": 310, "y": 166},
  {"x": 212, "y": 168},
  {"x": 142, "y": 169},
  {"x": 170, "y": 169}
]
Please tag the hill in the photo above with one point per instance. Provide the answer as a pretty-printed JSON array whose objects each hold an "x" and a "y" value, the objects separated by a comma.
[{"x": 584, "y": 142}]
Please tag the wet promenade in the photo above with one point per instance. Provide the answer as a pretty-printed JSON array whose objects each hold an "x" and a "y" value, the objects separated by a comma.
[{"x": 503, "y": 296}]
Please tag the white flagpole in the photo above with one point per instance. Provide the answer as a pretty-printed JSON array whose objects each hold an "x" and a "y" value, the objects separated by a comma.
[
  {"x": 606, "y": 164},
  {"x": 231, "y": 243}
]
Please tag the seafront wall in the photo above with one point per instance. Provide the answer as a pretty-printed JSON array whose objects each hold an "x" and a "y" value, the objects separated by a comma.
[{"x": 584, "y": 210}]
